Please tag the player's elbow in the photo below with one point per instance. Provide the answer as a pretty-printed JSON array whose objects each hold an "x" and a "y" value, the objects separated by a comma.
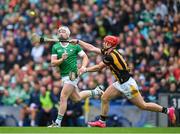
[{"x": 105, "y": 98}]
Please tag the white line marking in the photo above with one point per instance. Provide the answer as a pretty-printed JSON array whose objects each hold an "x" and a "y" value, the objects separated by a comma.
[{"x": 88, "y": 133}]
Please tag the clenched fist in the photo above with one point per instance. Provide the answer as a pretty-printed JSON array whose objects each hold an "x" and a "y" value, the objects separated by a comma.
[
  {"x": 82, "y": 70},
  {"x": 64, "y": 56}
]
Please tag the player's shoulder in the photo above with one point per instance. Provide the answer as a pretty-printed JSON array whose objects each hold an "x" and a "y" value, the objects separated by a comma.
[
  {"x": 56, "y": 45},
  {"x": 75, "y": 46},
  {"x": 115, "y": 51}
]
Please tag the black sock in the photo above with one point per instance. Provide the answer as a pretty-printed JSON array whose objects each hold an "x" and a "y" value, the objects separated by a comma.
[
  {"x": 164, "y": 110},
  {"x": 103, "y": 118}
]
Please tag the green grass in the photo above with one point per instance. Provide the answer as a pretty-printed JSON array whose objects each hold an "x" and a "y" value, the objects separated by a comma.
[{"x": 78, "y": 130}]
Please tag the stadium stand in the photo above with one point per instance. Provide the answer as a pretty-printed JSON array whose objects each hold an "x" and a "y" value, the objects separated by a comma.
[{"x": 149, "y": 34}]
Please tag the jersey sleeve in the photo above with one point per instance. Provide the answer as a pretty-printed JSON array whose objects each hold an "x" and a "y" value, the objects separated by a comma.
[{"x": 79, "y": 49}]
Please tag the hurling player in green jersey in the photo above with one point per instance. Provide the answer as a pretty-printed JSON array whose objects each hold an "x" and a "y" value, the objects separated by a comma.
[{"x": 64, "y": 57}]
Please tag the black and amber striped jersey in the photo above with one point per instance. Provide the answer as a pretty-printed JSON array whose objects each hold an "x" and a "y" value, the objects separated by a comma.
[{"x": 117, "y": 64}]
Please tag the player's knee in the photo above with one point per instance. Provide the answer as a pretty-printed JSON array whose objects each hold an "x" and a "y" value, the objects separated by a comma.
[{"x": 104, "y": 98}]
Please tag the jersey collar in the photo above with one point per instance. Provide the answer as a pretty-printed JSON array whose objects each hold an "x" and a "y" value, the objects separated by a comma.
[{"x": 63, "y": 45}]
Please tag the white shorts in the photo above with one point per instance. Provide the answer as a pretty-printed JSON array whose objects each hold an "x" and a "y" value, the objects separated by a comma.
[
  {"x": 66, "y": 80},
  {"x": 129, "y": 88}
]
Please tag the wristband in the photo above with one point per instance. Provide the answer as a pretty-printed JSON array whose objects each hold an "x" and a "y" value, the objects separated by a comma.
[{"x": 77, "y": 42}]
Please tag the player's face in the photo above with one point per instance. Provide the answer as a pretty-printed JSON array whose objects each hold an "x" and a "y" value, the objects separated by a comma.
[
  {"x": 106, "y": 45},
  {"x": 62, "y": 34}
]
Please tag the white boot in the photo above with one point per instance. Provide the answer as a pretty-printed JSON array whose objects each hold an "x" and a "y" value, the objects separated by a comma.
[
  {"x": 32, "y": 123},
  {"x": 20, "y": 123}
]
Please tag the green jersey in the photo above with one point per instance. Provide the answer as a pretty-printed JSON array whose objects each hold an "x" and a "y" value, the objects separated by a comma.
[{"x": 69, "y": 64}]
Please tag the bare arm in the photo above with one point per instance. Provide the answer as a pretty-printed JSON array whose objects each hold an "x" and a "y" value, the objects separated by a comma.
[
  {"x": 55, "y": 61},
  {"x": 85, "y": 60},
  {"x": 86, "y": 46},
  {"x": 96, "y": 68},
  {"x": 89, "y": 47}
]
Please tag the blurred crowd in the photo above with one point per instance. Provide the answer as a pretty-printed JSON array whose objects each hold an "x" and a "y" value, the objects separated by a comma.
[{"x": 149, "y": 33}]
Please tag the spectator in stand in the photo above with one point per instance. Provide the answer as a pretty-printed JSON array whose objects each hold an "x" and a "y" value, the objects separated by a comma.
[
  {"x": 47, "y": 112},
  {"x": 31, "y": 106}
]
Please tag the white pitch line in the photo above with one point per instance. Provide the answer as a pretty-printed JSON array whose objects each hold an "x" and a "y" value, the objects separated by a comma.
[{"x": 89, "y": 133}]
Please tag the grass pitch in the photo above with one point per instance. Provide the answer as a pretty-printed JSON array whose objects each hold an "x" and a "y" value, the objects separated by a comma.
[{"x": 83, "y": 130}]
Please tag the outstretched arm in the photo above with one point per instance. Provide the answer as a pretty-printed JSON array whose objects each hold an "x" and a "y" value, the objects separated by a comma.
[
  {"x": 94, "y": 68},
  {"x": 85, "y": 60},
  {"x": 87, "y": 46}
]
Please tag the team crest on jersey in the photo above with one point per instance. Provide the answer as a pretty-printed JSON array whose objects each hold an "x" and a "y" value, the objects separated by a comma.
[{"x": 59, "y": 50}]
